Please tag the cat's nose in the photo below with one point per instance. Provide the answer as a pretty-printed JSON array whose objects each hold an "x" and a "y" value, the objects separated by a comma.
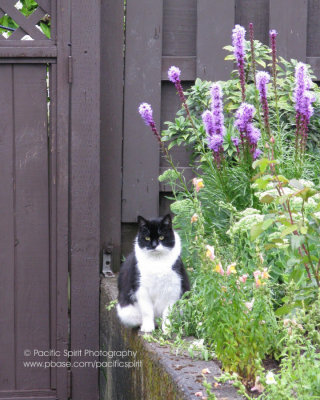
[{"x": 154, "y": 244}]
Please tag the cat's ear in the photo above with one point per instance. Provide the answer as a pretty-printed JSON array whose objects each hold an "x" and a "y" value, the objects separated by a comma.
[
  {"x": 141, "y": 221},
  {"x": 167, "y": 221}
]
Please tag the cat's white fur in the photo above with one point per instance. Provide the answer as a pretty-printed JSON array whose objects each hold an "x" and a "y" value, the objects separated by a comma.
[{"x": 160, "y": 287}]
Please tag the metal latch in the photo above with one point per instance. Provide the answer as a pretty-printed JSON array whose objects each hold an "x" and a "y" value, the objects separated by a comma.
[{"x": 106, "y": 264}]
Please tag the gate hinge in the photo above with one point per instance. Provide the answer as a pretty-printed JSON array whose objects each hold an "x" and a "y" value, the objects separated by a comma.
[
  {"x": 70, "y": 77},
  {"x": 69, "y": 384},
  {"x": 106, "y": 263}
]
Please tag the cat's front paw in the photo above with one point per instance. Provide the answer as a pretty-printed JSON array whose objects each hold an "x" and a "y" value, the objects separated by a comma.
[{"x": 147, "y": 326}]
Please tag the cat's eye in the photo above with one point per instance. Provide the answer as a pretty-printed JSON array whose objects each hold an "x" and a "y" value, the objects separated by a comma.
[
  {"x": 161, "y": 237},
  {"x": 147, "y": 238}
]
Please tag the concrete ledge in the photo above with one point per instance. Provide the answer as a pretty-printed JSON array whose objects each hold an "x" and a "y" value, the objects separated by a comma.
[{"x": 154, "y": 373}]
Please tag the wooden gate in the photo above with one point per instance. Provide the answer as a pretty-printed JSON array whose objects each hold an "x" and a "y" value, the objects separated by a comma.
[{"x": 49, "y": 199}]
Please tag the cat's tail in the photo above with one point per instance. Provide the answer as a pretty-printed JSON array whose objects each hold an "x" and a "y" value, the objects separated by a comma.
[{"x": 129, "y": 315}]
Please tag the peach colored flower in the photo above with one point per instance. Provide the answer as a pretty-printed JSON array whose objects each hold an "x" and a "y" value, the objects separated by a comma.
[
  {"x": 198, "y": 394},
  {"x": 219, "y": 269},
  {"x": 194, "y": 218},
  {"x": 231, "y": 269},
  {"x": 198, "y": 183},
  {"x": 249, "y": 304},
  {"x": 265, "y": 274},
  {"x": 243, "y": 278},
  {"x": 206, "y": 371},
  {"x": 210, "y": 252}
]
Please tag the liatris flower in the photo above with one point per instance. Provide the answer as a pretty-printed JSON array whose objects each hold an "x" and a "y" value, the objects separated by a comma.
[
  {"x": 215, "y": 143},
  {"x": 253, "y": 61},
  {"x": 174, "y": 77},
  {"x": 238, "y": 42},
  {"x": 214, "y": 123},
  {"x": 235, "y": 141},
  {"x": 207, "y": 119},
  {"x": 273, "y": 34},
  {"x": 249, "y": 135},
  {"x": 145, "y": 110},
  {"x": 257, "y": 153},
  {"x": 174, "y": 74},
  {"x": 303, "y": 104},
  {"x": 263, "y": 78},
  {"x": 217, "y": 109},
  {"x": 244, "y": 116},
  {"x": 253, "y": 134}
]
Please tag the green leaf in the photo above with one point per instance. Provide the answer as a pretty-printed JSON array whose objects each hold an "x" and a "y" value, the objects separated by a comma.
[
  {"x": 289, "y": 230},
  {"x": 229, "y": 48},
  {"x": 230, "y": 57},
  {"x": 256, "y": 230},
  {"x": 296, "y": 241},
  {"x": 267, "y": 223},
  {"x": 261, "y": 62},
  {"x": 267, "y": 198}
]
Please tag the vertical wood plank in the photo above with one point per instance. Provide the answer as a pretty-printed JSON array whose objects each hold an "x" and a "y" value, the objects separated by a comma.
[
  {"x": 215, "y": 22},
  {"x": 179, "y": 27},
  {"x": 112, "y": 69},
  {"x": 85, "y": 191},
  {"x": 257, "y": 12},
  {"x": 313, "y": 48},
  {"x": 142, "y": 84},
  {"x": 7, "y": 267},
  {"x": 289, "y": 18},
  {"x": 32, "y": 310},
  {"x": 60, "y": 129}
]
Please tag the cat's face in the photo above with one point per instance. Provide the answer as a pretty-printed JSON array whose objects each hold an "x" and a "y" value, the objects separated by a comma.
[{"x": 156, "y": 235}]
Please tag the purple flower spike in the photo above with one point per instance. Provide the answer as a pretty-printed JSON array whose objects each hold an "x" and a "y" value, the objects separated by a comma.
[
  {"x": 215, "y": 143},
  {"x": 174, "y": 74},
  {"x": 273, "y": 32},
  {"x": 244, "y": 116},
  {"x": 238, "y": 35},
  {"x": 249, "y": 135},
  {"x": 257, "y": 153},
  {"x": 238, "y": 42},
  {"x": 263, "y": 78},
  {"x": 253, "y": 134},
  {"x": 145, "y": 111},
  {"x": 217, "y": 109},
  {"x": 235, "y": 141},
  {"x": 207, "y": 119}
]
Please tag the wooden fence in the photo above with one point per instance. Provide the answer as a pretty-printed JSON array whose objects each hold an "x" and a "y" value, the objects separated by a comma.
[{"x": 189, "y": 34}]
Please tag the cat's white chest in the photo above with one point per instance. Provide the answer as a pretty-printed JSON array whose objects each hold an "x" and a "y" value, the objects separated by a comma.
[{"x": 158, "y": 281}]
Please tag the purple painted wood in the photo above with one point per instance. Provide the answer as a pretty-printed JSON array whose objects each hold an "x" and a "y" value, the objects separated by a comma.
[
  {"x": 112, "y": 37},
  {"x": 7, "y": 228},
  {"x": 60, "y": 128},
  {"x": 257, "y": 12},
  {"x": 143, "y": 84},
  {"x": 289, "y": 18},
  {"x": 179, "y": 27},
  {"x": 85, "y": 191},
  {"x": 212, "y": 36},
  {"x": 32, "y": 310}
]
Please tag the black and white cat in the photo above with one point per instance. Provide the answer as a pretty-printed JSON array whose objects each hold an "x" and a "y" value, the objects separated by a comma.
[{"x": 153, "y": 277}]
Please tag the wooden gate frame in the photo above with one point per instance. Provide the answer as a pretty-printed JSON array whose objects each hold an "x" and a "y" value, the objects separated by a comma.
[{"x": 75, "y": 212}]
